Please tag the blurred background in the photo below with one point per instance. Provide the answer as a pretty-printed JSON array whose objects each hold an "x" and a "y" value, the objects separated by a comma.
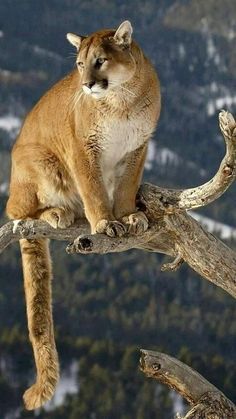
[{"x": 108, "y": 307}]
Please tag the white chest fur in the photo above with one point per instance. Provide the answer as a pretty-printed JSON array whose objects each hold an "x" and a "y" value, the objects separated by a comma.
[{"x": 119, "y": 138}]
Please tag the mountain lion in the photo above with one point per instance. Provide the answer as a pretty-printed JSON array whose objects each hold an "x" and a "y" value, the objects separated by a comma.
[{"x": 81, "y": 151}]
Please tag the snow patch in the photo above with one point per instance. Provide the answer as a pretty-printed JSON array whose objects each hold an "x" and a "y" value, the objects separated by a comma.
[
  {"x": 68, "y": 384},
  {"x": 213, "y": 87},
  {"x": 4, "y": 188},
  {"x": 167, "y": 156},
  {"x": 161, "y": 156},
  {"x": 231, "y": 34},
  {"x": 10, "y": 123},
  {"x": 182, "y": 51},
  {"x": 15, "y": 225},
  {"x": 178, "y": 404},
  {"x": 150, "y": 155},
  {"x": 214, "y": 105},
  {"x": 164, "y": 156},
  {"x": 46, "y": 53},
  {"x": 225, "y": 231}
]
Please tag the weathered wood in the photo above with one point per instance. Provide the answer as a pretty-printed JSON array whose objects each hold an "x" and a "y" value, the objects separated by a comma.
[
  {"x": 34, "y": 229},
  {"x": 83, "y": 241},
  {"x": 208, "y": 402},
  {"x": 212, "y": 406},
  {"x": 100, "y": 243},
  {"x": 206, "y": 254}
]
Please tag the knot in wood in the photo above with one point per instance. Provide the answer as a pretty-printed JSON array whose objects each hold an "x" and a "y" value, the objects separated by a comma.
[
  {"x": 24, "y": 229},
  {"x": 156, "y": 366},
  {"x": 228, "y": 170}
]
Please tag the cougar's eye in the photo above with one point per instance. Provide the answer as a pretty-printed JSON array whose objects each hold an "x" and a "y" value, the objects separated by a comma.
[
  {"x": 80, "y": 64},
  {"x": 100, "y": 61}
]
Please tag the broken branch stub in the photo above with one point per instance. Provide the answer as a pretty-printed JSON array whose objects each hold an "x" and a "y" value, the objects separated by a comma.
[{"x": 208, "y": 402}]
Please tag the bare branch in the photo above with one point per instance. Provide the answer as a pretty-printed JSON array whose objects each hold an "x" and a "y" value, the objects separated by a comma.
[
  {"x": 173, "y": 266},
  {"x": 206, "y": 254},
  {"x": 35, "y": 229},
  {"x": 175, "y": 374},
  {"x": 100, "y": 243},
  {"x": 208, "y": 401}
]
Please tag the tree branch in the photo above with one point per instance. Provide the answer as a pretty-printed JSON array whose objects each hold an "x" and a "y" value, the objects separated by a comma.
[
  {"x": 207, "y": 401},
  {"x": 35, "y": 229}
]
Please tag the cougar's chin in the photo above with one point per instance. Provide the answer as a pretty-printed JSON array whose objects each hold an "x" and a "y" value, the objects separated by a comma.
[
  {"x": 99, "y": 94},
  {"x": 96, "y": 92}
]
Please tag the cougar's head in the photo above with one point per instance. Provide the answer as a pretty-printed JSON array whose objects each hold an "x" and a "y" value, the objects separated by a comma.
[{"x": 104, "y": 59}]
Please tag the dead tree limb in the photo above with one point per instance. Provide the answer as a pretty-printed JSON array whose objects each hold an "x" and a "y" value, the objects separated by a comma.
[{"x": 206, "y": 400}]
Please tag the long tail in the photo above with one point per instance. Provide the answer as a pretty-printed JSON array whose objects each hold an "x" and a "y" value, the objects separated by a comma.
[{"x": 37, "y": 282}]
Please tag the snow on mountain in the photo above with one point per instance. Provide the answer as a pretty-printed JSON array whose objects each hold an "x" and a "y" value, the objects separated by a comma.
[
  {"x": 4, "y": 188},
  {"x": 47, "y": 53},
  {"x": 214, "y": 105},
  {"x": 10, "y": 123},
  {"x": 68, "y": 384},
  {"x": 224, "y": 231},
  {"x": 179, "y": 407},
  {"x": 163, "y": 156},
  {"x": 167, "y": 156}
]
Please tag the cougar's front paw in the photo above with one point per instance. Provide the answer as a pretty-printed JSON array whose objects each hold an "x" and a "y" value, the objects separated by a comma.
[
  {"x": 58, "y": 217},
  {"x": 111, "y": 228},
  {"x": 136, "y": 223}
]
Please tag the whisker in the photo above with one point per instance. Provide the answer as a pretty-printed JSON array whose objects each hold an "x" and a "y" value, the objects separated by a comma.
[
  {"x": 72, "y": 54},
  {"x": 77, "y": 98},
  {"x": 113, "y": 83},
  {"x": 129, "y": 91}
]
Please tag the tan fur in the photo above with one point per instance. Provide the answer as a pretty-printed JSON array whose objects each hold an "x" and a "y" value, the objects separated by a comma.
[{"x": 81, "y": 151}]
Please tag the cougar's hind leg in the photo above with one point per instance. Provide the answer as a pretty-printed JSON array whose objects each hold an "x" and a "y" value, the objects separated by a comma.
[
  {"x": 37, "y": 283},
  {"x": 23, "y": 201}
]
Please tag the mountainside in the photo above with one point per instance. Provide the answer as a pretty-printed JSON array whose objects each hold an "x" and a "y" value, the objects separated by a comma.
[
  {"x": 198, "y": 15},
  {"x": 105, "y": 308}
]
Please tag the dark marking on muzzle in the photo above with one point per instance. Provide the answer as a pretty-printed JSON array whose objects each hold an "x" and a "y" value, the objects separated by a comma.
[{"x": 104, "y": 83}]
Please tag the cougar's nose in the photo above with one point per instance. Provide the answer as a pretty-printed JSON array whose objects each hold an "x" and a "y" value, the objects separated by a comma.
[{"x": 89, "y": 84}]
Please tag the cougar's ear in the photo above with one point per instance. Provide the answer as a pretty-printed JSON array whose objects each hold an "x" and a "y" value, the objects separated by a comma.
[
  {"x": 75, "y": 40},
  {"x": 123, "y": 35}
]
